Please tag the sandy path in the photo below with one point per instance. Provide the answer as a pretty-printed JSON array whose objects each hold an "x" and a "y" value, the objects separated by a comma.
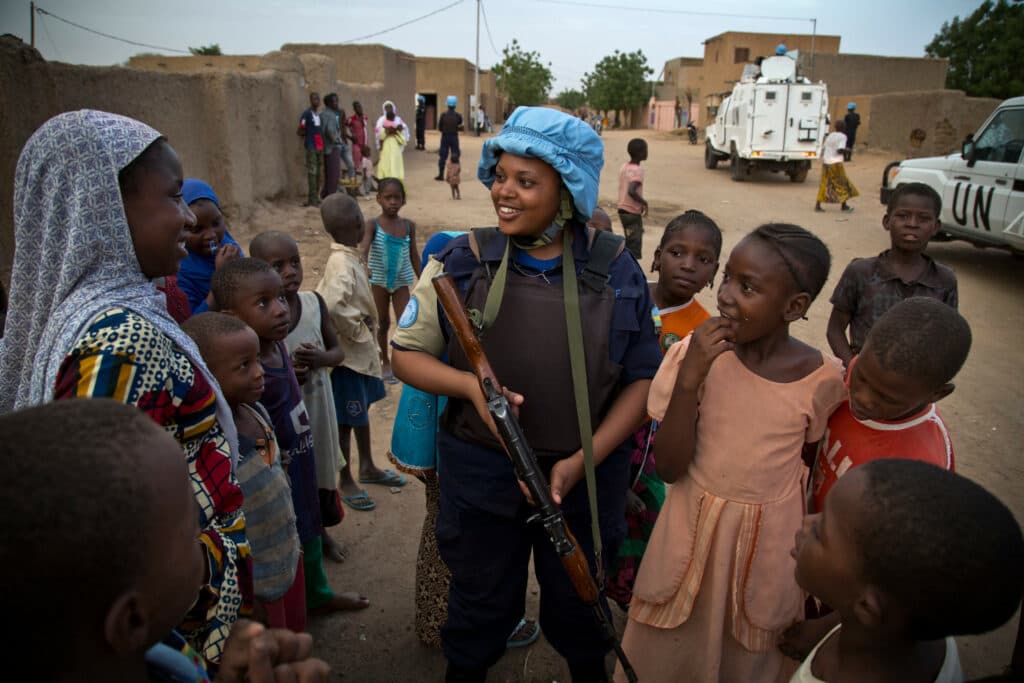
[{"x": 983, "y": 414}]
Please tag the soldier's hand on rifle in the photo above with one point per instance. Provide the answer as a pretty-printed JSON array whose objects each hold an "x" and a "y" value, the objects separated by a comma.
[
  {"x": 564, "y": 475},
  {"x": 476, "y": 394}
]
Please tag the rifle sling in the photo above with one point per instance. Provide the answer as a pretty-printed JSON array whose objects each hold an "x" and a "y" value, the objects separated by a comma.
[{"x": 577, "y": 360}]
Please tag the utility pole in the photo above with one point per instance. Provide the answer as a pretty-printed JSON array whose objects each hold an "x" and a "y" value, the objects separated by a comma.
[
  {"x": 476, "y": 72},
  {"x": 32, "y": 21}
]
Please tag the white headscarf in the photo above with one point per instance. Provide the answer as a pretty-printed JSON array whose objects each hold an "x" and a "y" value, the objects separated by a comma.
[
  {"x": 74, "y": 256},
  {"x": 379, "y": 128}
]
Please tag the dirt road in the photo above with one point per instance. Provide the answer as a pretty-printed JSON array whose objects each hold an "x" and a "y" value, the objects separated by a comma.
[{"x": 983, "y": 413}]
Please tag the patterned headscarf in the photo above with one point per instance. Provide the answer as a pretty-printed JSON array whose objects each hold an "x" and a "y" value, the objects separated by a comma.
[{"x": 74, "y": 256}]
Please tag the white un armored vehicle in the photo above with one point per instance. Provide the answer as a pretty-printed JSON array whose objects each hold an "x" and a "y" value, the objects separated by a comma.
[{"x": 773, "y": 120}]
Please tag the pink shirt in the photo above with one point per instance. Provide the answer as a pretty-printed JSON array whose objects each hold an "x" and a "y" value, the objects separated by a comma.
[{"x": 630, "y": 173}]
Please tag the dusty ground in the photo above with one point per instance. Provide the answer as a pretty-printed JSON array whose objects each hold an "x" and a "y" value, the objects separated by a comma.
[{"x": 983, "y": 414}]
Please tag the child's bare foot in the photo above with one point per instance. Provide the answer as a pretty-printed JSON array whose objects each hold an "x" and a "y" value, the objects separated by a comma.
[
  {"x": 341, "y": 602},
  {"x": 335, "y": 551}
]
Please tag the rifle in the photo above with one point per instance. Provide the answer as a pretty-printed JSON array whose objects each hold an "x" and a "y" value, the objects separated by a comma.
[{"x": 527, "y": 470}]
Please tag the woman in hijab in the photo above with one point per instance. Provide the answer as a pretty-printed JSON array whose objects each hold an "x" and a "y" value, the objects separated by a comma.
[
  {"x": 392, "y": 136},
  {"x": 98, "y": 215}
]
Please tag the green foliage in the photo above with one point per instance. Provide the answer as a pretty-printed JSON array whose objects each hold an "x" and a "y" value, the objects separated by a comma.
[
  {"x": 523, "y": 76},
  {"x": 206, "y": 50},
  {"x": 571, "y": 99},
  {"x": 984, "y": 50},
  {"x": 619, "y": 81}
]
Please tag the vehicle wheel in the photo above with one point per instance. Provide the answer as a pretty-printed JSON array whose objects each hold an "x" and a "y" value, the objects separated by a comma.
[
  {"x": 710, "y": 158},
  {"x": 798, "y": 175},
  {"x": 738, "y": 168}
]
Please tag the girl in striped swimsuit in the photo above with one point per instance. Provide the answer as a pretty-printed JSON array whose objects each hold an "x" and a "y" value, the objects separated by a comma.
[{"x": 389, "y": 248}]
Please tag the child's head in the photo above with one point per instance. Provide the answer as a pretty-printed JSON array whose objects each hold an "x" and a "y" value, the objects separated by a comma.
[
  {"x": 909, "y": 359},
  {"x": 911, "y": 550},
  {"x": 232, "y": 353},
  {"x": 357, "y": 107},
  {"x": 250, "y": 290},
  {"x": 343, "y": 219},
  {"x": 912, "y": 216},
  {"x": 455, "y": 158},
  {"x": 686, "y": 260},
  {"x": 840, "y": 126},
  {"x": 314, "y": 99},
  {"x": 600, "y": 220},
  {"x": 136, "y": 562},
  {"x": 203, "y": 237},
  {"x": 281, "y": 251},
  {"x": 365, "y": 150},
  {"x": 637, "y": 148},
  {"x": 390, "y": 196},
  {"x": 771, "y": 278},
  {"x": 542, "y": 170}
]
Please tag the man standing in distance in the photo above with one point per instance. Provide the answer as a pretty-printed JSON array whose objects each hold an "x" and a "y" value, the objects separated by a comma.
[
  {"x": 421, "y": 121},
  {"x": 449, "y": 123},
  {"x": 310, "y": 129}
]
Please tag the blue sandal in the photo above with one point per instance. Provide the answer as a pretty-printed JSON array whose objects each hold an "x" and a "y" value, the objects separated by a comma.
[
  {"x": 526, "y": 632},
  {"x": 359, "y": 501},
  {"x": 387, "y": 478}
]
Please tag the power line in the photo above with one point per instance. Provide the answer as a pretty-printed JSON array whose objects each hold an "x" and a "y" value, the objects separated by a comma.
[
  {"x": 671, "y": 11},
  {"x": 404, "y": 23},
  {"x": 53, "y": 43},
  {"x": 40, "y": 10},
  {"x": 483, "y": 8}
]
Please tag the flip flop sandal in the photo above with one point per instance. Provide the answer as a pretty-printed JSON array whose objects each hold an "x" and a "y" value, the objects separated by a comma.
[
  {"x": 390, "y": 478},
  {"x": 359, "y": 501},
  {"x": 526, "y": 633}
]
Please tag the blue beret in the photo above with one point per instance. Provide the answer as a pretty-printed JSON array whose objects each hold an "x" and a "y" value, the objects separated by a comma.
[{"x": 564, "y": 142}]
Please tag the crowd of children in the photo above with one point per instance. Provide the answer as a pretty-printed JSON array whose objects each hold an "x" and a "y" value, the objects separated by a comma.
[{"x": 718, "y": 468}]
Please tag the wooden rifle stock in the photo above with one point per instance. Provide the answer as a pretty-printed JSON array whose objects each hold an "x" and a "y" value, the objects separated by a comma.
[{"x": 525, "y": 462}]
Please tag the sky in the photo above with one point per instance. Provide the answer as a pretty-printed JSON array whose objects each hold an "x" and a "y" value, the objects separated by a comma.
[{"x": 573, "y": 35}]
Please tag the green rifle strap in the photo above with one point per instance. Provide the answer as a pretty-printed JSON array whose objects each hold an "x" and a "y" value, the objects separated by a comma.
[
  {"x": 496, "y": 291},
  {"x": 577, "y": 361}
]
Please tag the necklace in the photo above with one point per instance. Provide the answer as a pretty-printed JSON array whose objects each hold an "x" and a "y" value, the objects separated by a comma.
[{"x": 541, "y": 274}]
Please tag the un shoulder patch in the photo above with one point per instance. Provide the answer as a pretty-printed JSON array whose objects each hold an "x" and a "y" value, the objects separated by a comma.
[{"x": 410, "y": 314}]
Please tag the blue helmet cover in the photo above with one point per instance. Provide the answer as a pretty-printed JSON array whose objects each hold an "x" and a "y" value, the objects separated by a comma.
[{"x": 564, "y": 142}]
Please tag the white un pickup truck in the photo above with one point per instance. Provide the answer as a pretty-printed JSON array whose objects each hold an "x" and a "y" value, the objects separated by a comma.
[{"x": 982, "y": 186}]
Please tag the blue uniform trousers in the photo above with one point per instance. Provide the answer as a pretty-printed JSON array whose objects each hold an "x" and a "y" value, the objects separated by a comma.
[
  {"x": 449, "y": 143},
  {"x": 486, "y": 542}
]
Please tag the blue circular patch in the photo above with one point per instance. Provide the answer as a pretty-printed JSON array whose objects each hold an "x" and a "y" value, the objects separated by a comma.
[{"x": 409, "y": 315}]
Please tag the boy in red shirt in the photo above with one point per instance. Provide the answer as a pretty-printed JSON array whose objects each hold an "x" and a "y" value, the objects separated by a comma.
[
  {"x": 907, "y": 364},
  {"x": 909, "y": 359}
]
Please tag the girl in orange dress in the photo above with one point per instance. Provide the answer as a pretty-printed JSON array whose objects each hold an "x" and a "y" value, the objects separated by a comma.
[{"x": 737, "y": 401}]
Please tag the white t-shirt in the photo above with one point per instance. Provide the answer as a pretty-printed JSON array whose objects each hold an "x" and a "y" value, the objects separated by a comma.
[
  {"x": 834, "y": 144},
  {"x": 949, "y": 673}
]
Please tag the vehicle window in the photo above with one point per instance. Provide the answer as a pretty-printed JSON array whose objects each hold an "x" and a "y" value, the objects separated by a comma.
[{"x": 1003, "y": 139}]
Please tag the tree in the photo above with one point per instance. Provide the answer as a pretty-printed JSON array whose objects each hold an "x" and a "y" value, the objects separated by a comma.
[
  {"x": 523, "y": 76},
  {"x": 571, "y": 99},
  {"x": 618, "y": 82},
  {"x": 984, "y": 50},
  {"x": 206, "y": 50}
]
